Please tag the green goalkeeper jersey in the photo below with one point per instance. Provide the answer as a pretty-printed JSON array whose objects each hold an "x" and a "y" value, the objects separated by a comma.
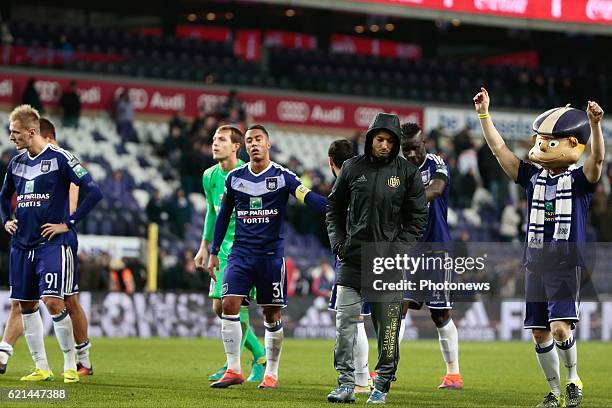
[{"x": 213, "y": 182}]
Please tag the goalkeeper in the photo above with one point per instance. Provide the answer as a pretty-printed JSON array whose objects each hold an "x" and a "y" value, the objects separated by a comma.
[{"x": 226, "y": 144}]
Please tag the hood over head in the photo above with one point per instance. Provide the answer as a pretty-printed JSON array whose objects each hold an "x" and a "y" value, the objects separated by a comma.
[{"x": 388, "y": 122}]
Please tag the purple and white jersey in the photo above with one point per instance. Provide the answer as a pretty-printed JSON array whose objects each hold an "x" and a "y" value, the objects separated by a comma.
[
  {"x": 437, "y": 227},
  {"x": 42, "y": 184},
  {"x": 259, "y": 201},
  {"x": 582, "y": 192}
]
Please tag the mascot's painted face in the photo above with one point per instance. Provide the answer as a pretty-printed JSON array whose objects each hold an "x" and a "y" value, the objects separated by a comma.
[
  {"x": 555, "y": 153},
  {"x": 560, "y": 135}
]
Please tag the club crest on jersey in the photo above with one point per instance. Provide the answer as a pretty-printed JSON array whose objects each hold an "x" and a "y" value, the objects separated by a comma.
[
  {"x": 393, "y": 182},
  {"x": 271, "y": 183},
  {"x": 425, "y": 176},
  {"x": 45, "y": 166}
]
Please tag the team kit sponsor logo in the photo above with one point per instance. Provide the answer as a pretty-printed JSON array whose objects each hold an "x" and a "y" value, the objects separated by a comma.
[
  {"x": 29, "y": 187},
  {"x": 79, "y": 171},
  {"x": 189, "y": 315},
  {"x": 256, "y": 213},
  {"x": 32, "y": 200},
  {"x": 262, "y": 107}
]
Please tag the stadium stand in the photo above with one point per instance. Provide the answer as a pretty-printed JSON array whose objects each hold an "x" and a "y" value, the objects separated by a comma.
[
  {"x": 131, "y": 171},
  {"x": 147, "y": 171},
  {"x": 430, "y": 79}
]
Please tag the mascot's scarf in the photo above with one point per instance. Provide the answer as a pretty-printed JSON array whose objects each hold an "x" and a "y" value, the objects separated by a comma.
[{"x": 563, "y": 210}]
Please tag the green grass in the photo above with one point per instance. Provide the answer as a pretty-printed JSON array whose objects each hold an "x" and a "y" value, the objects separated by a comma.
[{"x": 172, "y": 373}]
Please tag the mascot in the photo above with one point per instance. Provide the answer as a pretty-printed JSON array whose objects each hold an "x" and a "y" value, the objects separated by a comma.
[{"x": 559, "y": 193}]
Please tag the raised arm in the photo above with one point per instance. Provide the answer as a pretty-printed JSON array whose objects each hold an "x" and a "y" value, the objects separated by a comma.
[
  {"x": 594, "y": 163},
  {"x": 508, "y": 160}
]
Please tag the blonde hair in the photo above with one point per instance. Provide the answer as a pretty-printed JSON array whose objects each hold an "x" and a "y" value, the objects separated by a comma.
[{"x": 27, "y": 116}]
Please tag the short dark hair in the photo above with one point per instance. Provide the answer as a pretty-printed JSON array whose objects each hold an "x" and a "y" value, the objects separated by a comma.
[
  {"x": 339, "y": 151},
  {"x": 259, "y": 127},
  {"x": 236, "y": 135},
  {"x": 410, "y": 129},
  {"x": 47, "y": 128}
]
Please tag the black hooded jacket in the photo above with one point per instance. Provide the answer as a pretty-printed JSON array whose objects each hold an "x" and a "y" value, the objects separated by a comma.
[{"x": 374, "y": 200}]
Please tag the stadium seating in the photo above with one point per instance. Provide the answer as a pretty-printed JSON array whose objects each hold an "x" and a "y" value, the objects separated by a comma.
[
  {"x": 426, "y": 80},
  {"x": 97, "y": 143}
]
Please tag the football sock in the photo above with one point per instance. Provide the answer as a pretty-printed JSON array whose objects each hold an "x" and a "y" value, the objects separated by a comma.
[
  {"x": 244, "y": 325},
  {"x": 360, "y": 353},
  {"x": 6, "y": 350},
  {"x": 249, "y": 339},
  {"x": 449, "y": 344},
  {"x": 231, "y": 333},
  {"x": 549, "y": 361},
  {"x": 274, "y": 345},
  {"x": 33, "y": 333},
  {"x": 62, "y": 325},
  {"x": 569, "y": 354},
  {"x": 83, "y": 353}
]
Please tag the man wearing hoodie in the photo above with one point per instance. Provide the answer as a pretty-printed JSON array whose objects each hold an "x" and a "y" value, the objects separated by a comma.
[{"x": 378, "y": 197}]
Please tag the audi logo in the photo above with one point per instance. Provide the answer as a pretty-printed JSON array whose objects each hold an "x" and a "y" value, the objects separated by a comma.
[
  {"x": 364, "y": 115},
  {"x": 138, "y": 96},
  {"x": 293, "y": 111}
]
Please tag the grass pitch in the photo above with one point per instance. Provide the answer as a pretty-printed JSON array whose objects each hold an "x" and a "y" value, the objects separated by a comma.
[{"x": 172, "y": 373}]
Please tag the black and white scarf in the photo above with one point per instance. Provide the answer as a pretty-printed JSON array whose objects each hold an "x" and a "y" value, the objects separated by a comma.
[{"x": 563, "y": 210}]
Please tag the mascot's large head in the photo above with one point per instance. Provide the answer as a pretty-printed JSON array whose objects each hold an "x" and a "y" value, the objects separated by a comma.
[{"x": 560, "y": 137}]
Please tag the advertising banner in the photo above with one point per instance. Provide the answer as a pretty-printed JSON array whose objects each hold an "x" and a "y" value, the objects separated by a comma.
[
  {"x": 348, "y": 44},
  {"x": 512, "y": 125},
  {"x": 569, "y": 11},
  {"x": 189, "y": 315},
  {"x": 161, "y": 99},
  {"x": 288, "y": 39},
  {"x": 203, "y": 33}
]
